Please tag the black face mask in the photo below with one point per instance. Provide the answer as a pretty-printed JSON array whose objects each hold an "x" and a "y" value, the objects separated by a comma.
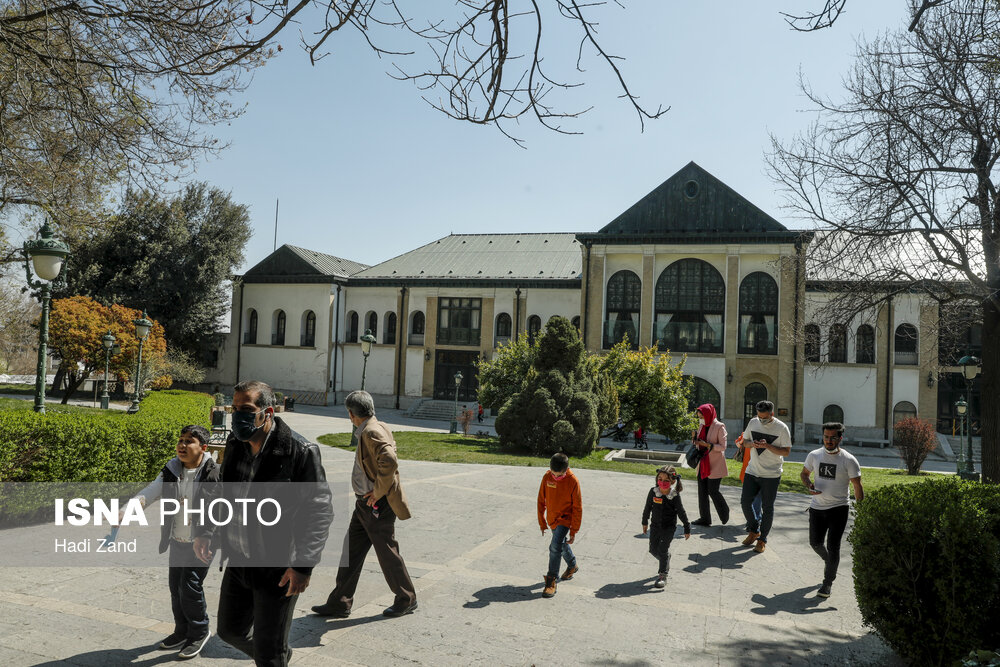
[{"x": 243, "y": 425}]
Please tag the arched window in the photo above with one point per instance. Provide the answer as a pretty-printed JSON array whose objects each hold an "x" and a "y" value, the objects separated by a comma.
[
  {"x": 534, "y": 326},
  {"x": 865, "y": 345},
  {"x": 903, "y": 410},
  {"x": 905, "y": 343},
  {"x": 833, "y": 413},
  {"x": 352, "y": 327},
  {"x": 701, "y": 392},
  {"x": 838, "y": 344},
  {"x": 576, "y": 323},
  {"x": 502, "y": 330},
  {"x": 389, "y": 337},
  {"x": 690, "y": 303},
  {"x": 250, "y": 335},
  {"x": 416, "y": 328},
  {"x": 308, "y": 336},
  {"x": 278, "y": 328},
  {"x": 371, "y": 323},
  {"x": 621, "y": 320},
  {"x": 812, "y": 343},
  {"x": 758, "y": 314},
  {"x": 753, "y": 393}
]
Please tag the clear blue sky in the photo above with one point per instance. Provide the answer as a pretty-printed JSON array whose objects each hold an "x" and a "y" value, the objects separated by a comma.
[{"x": 366, "y": 170}]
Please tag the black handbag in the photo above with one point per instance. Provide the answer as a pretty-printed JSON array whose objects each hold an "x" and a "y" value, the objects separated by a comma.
[{"x": 693, "y": 455}]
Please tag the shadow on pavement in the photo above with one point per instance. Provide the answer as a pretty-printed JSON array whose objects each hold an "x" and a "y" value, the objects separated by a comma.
[
  {"x": 142, "y": 656},
  {"x": 485, "y": 596},
  {"x": 800, "y": 601},
  {"x": 725, "y": 559},
  {"x": 823, "y": 651},
  {"x": 627, "y": 589}
]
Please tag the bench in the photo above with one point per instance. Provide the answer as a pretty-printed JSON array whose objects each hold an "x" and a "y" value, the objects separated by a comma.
[{"x": 860, "y": 442}]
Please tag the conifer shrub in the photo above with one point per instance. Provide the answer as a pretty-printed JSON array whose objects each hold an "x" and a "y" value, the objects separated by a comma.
[{"x": 927, "y": 568}]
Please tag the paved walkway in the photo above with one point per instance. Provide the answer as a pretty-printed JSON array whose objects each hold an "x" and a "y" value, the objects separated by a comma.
[{"x": 477, "y": 558}]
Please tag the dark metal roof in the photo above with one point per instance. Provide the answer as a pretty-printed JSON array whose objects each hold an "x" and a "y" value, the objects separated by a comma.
[
  {"x": 291, "y": 264},
  {"x": 693, "y": 206},
  {"x": 484, "y": 257}
]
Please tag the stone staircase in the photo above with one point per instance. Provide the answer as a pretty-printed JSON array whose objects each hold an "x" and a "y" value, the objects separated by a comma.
[{"x": 434, "y": 410}]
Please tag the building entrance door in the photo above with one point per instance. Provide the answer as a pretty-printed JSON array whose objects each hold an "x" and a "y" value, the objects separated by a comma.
[
  {"x": 446, "y": 364},
  {"x": 753, "y": 393}
]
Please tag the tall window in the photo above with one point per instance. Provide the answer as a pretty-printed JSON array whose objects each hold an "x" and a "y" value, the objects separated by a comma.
[
  {"x": 250, "y": 335},
  {"x": 371, "y": 322},
  {"x": 502, "y": 330},
  {"x": 278, "y": 328},
  {"x": 576, "y": 323},
  {"x": 701, "y": 392},
  {"x": 690, "y": 301},
  {"x": 838, "y": 344},
  {"x": 903, "y": 410},
  {"x": 308, "y": 336},
  {"x": 459, "y": 321},
  {"x": 352, "y": 327},
  {"x": 758, "y": 314},
  {"x": 534, "y": 326},
  {"x": 389, "y": 337},
  {"x": 624, "y": 296},
  {"x": 905, "y": 342},
  {"x": 812, "y": 343},
  {"x": 416, "y": 328},
  {"x": 865, "y": 345},
  {"x": 833, "y": 413}
]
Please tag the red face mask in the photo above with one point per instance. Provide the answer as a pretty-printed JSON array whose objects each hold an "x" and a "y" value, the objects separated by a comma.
[
  {"x": 664, "y": 486},
  {"x": 558, "y": 477}
]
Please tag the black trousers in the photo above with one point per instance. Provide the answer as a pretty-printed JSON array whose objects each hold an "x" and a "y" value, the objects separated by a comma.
[
  {"x": 367, "y": 531},
  {"x": 709, "y": 488},
  {"x": 828, "y": 526},
  {"x": 255, "y": 615},
  {"x": 187, "y": 595},
  {"x": 659, "y": 545}
]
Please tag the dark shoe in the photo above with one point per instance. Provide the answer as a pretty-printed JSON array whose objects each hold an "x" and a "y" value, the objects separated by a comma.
[
  {"x": 550, "y": 587},
  {"x": 661, "y": 581},
  {"x": 192, "y": 649},
  {"x": 701, "y": 522},
  {"x": 173, "y": 642},
  {"x": 824, "y": 591},
  {"x": 330, "y": 610},
  {"x": 570, "y": 571},
  {"x": 393, "y": 612}
]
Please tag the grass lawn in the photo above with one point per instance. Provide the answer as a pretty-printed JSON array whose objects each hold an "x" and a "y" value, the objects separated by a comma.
[
  {"x": 18, "y": 404},
  {"x": 25, "y": 389},
  {"x": 448, "y": 448}
]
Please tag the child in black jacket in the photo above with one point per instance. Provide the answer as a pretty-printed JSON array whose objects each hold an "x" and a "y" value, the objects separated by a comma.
[{"x": 664, "y": 503}]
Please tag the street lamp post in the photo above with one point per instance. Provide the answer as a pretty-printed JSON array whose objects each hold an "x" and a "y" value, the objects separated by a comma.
[
  {"x": 454, "y": 422},
  {"x": 108, "y": 341},
  {"x": 970, "y": 369},
  {"x": 47, "y": 255},
  {"x": 961, "y": 407},
  {"x": 366, "y": 348},
  {"x": 142, "y": 327}
]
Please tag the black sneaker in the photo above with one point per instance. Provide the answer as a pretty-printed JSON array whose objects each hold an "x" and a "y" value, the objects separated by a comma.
[
  {"x": 174, "y": 641},
  {"x": 193, "y": 648},
  {"x": 701, "y": 522},
  {"x": 824, "y": 591}
]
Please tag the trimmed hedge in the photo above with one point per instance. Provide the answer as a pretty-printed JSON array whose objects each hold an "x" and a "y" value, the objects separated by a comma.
[
  {"x": 927, "y": 568},
  {"x": 108, "y": 447}
]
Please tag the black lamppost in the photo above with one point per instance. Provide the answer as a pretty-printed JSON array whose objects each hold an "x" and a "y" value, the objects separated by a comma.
[
  {"x": 970, "y": 369},
  {"x": 961, "y": 407},
  {"x": 366, "y": 348},
  {"x": 108, "y": 341},
  {"x": 47, "y": 255},
  {"x": 142, "y": 327},
  {"x": 454, "y": 421}
]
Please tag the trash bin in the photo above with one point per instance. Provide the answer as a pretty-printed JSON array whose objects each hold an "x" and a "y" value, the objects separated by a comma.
[{"x": 289, "y": 404}]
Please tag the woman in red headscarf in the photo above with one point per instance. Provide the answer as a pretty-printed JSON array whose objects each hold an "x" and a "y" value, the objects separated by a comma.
[{"x": 711, "y": 438}]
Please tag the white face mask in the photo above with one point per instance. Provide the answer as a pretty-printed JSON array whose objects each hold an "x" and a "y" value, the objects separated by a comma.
[
  {"x": 766, "y": 421},
  {"x": 701, "y": 422}
]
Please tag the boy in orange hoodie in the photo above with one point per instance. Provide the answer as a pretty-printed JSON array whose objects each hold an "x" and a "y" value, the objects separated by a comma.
[{"x": 559, "y": 507}]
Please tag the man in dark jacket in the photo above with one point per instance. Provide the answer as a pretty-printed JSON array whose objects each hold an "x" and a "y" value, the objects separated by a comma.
[{"x": 258, "y": 595}]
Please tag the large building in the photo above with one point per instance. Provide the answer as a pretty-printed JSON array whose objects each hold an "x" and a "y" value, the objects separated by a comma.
[{"x": 692, "y": 267}]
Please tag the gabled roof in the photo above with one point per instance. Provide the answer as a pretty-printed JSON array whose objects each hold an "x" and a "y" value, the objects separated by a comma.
[
  {"x": 495, "y": 258},
  {"x": 291, "y": 264},
  {"x": 692, "y": 206}
]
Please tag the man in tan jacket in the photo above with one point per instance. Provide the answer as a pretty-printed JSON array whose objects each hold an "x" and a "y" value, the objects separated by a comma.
[{"x": 380, "y": 501}]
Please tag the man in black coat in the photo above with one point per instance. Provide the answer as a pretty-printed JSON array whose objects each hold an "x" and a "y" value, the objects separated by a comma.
[{"x": 268, "y": 565}]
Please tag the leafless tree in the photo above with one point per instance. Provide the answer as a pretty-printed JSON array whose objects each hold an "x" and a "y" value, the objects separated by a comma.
[
  {"x": 827, "y": 15},
  {"x": 18, "y": 336},
  {"x": 904, "y": 170}
]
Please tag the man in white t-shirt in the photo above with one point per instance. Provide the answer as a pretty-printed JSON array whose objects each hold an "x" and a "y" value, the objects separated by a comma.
[
  {"x": 767, "y": 442},
  {"x": 829, "y": 508}
]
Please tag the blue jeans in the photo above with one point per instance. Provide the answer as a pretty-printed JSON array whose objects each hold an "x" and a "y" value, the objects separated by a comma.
[
  {"x": 559, "y": 549},
  {"x": 767, "y": 489}
]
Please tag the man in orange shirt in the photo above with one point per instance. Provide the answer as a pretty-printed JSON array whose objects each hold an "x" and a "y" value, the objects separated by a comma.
[{"x": 560, "y": 508}]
